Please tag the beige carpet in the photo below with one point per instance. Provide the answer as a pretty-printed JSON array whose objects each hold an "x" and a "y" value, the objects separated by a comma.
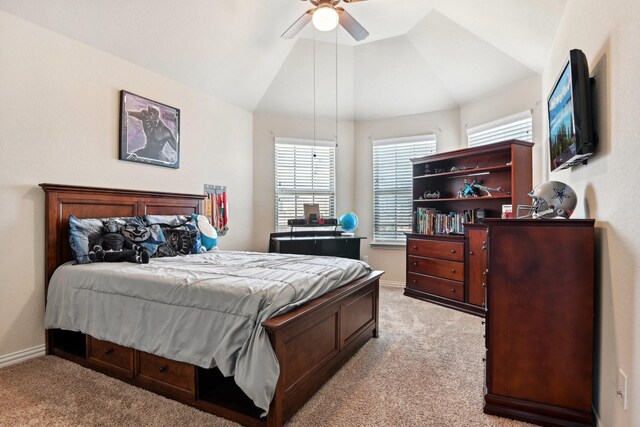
[{"x": 426, "y": 369}]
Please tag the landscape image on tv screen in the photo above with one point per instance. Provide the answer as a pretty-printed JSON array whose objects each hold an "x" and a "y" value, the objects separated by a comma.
[{"x": 562, "y": 137}]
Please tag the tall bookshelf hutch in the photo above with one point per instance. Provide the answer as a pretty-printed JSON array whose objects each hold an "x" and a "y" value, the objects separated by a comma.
[{"x": 449, "y": 268}]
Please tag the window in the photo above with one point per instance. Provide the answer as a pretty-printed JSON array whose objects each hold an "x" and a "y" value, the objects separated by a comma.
[
  {"x": 392, "y": 185},
  {"x": 302, "y": 178},
  {"x": 518, "y": 126}
]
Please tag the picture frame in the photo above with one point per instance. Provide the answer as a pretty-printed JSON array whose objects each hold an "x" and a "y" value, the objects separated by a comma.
[{"x": 149, "y": 131}]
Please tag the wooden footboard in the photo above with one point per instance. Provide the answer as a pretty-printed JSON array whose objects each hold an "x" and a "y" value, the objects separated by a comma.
[{"x": 311, "y": 343}]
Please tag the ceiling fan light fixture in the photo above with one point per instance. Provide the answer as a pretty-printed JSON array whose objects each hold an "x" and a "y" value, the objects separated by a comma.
[{"x": 325, "y": 18}]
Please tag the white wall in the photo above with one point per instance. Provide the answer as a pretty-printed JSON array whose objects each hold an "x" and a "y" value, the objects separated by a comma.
[
  {"x": 522, "y": 96},
  {"x": 266, "y": 127},
  {"x": 59, "y": 102},
  {"x": 609, "y": 35},
  {"x": 446, "y": 126}
]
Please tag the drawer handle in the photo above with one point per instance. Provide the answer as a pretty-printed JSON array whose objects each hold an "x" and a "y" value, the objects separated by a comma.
[
  {"x": 484, "y": 248},
  {"x": 482, "y": 322},
  {"x": 484, "y": 285},
  {"x": 470, "y": 252},
  {"x": 415, "y": 264},
  {"x": 163, "y": 368},
  {"x": 453, "y": 270},
  {"x": 484, "y": 243},
  {"x": 108, "y": 351},
  {"x": 415, "y": 281},
  {"x": 484, "y": 359},
  {"x": 453, "y": 289},
  {"x": 453, "y": 251},
  {"x": 483, "y": 304},
  {"x": 415, "y": 247}
]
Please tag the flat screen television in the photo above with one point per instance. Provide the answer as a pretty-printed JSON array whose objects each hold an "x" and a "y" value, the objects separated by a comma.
[{"x": 572, "y": 138}]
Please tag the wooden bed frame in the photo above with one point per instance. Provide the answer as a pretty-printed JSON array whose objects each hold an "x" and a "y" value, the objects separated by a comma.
[{"x": 311, "y": 342}]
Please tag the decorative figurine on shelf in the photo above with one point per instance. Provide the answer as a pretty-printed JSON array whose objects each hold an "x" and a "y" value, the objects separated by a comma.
[
  {"x": 470, "y": 189},
  {"x": 485, "y": 188},
  {"x": 431, "y": 195},
  {"x": 427, "y": 171}
]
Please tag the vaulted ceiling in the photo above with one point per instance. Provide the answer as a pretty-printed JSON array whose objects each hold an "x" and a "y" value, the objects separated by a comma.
[{"x": 422, "y": 55}]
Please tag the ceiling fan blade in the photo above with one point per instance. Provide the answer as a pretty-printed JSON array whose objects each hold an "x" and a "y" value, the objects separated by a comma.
[
  {"x": 297, "y": 26},
  {"x": 352, "y": 26}
]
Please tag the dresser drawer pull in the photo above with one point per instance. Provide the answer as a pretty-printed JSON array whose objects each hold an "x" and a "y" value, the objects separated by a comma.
[
  {"x": 470, "y": 252},
  {"x": 453, "y": 270},
  {"x": 484, "y": 248},
  {"x": 415, "y": 247},
  {"x": 482, "y": 322},
  {"x": 453, "y": 251},
  {"x": 453, "y": 289},
  {"x": 163, "y": 368},
  {"x": 483, "y": 304},
  {"x": 484, "y": 359},
  {"x": 108, "y": 351},
  {"x": 415, "y": 264},
  {"x": 415, "y": 281},
  {"x": 484, "y": 285}
]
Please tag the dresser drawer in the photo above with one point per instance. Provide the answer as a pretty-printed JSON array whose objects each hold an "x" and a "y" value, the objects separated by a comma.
[
  {"x": 434, "y": 285},
  {"x": 114, "y": 357},
  {"x": 161, "y": 373},
  {"x": 453, "y": 251},
  {"x": 452, "y": 270}
]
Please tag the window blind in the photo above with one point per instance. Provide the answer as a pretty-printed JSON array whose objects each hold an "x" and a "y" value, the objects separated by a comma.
[
  {"x": 393, "y": 183},
  {"x": 518, "y": 126},
  {"x": 302, "y": 178}
]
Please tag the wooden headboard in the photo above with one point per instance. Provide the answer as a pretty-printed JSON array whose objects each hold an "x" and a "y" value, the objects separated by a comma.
[{"x": 91, "y": 202}]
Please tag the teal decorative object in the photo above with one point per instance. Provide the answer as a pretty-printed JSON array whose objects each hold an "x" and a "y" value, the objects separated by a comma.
[{"x": 348, "y": 222}]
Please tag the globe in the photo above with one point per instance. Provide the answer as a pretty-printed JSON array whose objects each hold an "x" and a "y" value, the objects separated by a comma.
[{"x": 348, "y": 222}]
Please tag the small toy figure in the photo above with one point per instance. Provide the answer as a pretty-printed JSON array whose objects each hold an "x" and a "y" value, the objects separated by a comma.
[
  {"x": 469, "y": 189},
  {"x": 431, "y": 195},
  {"x": 484, "y": 188}
]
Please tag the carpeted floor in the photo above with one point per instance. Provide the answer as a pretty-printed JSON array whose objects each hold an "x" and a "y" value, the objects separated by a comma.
[{"x": 426, "y": 369}]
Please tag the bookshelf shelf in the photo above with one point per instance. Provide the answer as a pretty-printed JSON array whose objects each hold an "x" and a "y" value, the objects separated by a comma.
[
  {"x": 463, "y": 199},
  {"x": 467, "y": 172}
]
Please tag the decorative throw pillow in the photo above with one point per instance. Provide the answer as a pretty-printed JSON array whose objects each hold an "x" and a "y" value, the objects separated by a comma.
[
  {"x": 208, "y": 234},
  {"x": 84, "y": 233},
  {"x": 177, "y": 222},
  {"x": 148, "y": 237},
  {"x": 178, "y": 241}
]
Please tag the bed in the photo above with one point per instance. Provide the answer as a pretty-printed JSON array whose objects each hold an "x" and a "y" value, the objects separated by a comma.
[{"x": 310, "y": 342}]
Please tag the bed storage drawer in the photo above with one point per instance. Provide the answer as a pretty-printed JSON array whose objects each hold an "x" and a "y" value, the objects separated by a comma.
[
  {"x": 165, "y": 374},
  {"x": 112, "y": 357}
]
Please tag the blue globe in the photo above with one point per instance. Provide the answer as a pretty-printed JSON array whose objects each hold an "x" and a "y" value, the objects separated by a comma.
[{"x": 348, "y": 222}]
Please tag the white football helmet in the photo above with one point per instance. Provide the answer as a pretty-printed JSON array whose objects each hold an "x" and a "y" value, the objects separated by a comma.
[{"x": 550, "y": 200}]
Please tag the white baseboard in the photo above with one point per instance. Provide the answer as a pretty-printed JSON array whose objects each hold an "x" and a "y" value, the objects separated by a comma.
[
  {"x": 22, "y": 355},
  {"x": 392, "y": 284}
]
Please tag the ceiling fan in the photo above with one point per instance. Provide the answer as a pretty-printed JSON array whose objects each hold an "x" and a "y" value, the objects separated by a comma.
[{"x": 326, "y": 16}]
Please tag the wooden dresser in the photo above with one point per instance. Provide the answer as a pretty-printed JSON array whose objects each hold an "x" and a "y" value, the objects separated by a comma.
[{"x": 539, "y": 321}]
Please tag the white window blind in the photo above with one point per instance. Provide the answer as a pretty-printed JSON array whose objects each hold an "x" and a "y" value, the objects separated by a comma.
[
  {"x": 302, "y": 178},
  {"x": 518, "y": 126},
  {"x": 392, "y": 185}
]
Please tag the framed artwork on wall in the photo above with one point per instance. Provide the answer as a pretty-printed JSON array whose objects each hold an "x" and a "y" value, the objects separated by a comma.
[{"x": 149, "y": 131}]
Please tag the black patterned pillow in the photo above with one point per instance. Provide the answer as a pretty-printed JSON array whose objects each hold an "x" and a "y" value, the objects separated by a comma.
[{"x": 178, "y": 241}]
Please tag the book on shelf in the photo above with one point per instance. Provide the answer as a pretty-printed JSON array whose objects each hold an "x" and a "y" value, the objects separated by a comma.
[{"x": 432, "y": 221}]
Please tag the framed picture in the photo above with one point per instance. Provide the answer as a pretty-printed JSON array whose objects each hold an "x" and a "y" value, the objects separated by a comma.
[{"x": 149, "y": 131}]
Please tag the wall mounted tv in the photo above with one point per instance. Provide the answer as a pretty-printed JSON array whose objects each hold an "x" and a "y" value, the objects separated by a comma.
[{"x": 572, "y": 138}]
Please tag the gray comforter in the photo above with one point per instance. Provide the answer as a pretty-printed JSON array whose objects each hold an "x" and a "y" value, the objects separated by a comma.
[{"x": 204, "y": 309}]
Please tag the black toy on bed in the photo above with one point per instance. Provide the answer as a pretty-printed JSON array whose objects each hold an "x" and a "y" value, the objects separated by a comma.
[{"x": 112, "y": 246}]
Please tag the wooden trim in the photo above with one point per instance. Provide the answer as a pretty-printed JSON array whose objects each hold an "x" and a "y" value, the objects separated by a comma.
[{"x": 534, "y": 412}]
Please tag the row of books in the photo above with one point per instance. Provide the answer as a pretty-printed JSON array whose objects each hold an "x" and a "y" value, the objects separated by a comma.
[{"x": 431, "y": 221}]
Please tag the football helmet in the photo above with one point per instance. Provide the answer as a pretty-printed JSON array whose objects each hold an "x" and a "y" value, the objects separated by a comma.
[{"x": 550, "y": 200}]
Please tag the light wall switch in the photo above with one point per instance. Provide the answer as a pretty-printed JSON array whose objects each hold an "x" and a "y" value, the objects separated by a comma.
[{"x": 622, "y": 388}]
